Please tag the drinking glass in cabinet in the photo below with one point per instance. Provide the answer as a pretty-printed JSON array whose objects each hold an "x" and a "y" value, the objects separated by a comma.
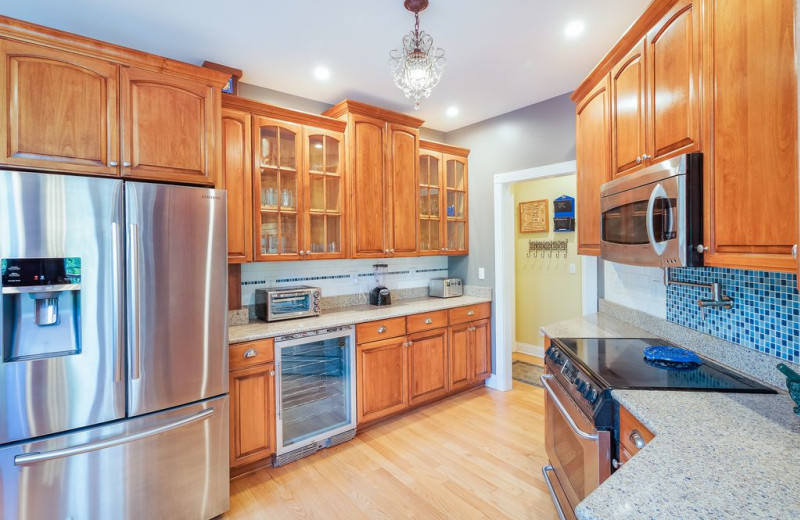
[
  {"x": 269, "y": 235},
  {"x": 317, "y": 230},
  {"x": 289, "y": 234},
  {"x": 268, "y": 196},
  {"x": 287, "y": 199},
  {"x": 333, "y": 233}
]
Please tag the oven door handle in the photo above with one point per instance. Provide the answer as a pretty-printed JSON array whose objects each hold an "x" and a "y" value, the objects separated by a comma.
[
  {"x": 580, "y": 433},
  {"x": 658, "y": 192},
  {"x": 553, "y": 495}
]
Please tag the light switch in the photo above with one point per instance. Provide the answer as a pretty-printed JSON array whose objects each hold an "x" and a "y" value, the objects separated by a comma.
[
  {"x": 572, "y": 268},
  {"x": 481, "y": 273}
]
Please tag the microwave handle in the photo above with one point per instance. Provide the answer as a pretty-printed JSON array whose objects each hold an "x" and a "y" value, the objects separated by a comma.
[{"x": 657, "y": 192}]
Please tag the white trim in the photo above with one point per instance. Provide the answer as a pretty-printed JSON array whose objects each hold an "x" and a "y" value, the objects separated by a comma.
[
  {"x": 504, "y": 266},
  {"x": 527, "y": 348}
]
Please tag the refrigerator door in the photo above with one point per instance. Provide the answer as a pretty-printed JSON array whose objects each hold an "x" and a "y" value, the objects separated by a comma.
[
  {"x": 177, "y": 295},
  {"x": 172, "y": 464},
  {"x": 62, "y": 363}
]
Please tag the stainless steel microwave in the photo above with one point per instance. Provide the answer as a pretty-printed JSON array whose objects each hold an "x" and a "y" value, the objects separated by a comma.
[
  {"x": 286, "y": 303},
  {"x": 654, "y": 217}
]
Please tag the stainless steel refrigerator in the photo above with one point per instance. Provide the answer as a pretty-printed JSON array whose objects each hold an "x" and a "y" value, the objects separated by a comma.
[{"x": 113, "y": 368}]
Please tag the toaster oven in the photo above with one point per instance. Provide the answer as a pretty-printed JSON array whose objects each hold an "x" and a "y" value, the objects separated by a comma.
[
  {"x": 286, "y": 303},
  {"x": 445, "y": 287}
]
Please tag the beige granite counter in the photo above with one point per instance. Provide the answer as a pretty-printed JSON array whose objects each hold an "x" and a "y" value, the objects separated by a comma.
[
  {"x": 346, "y": 316},
  {"x": 715, "y": 456},
  {"x": 593, "y": 326}
]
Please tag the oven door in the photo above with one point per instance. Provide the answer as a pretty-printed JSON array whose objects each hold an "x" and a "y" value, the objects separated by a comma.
[
  {"x": 646, "y": 225},
  {"x": 579, "y": 454},
  {"x": 287, "y": 305}
]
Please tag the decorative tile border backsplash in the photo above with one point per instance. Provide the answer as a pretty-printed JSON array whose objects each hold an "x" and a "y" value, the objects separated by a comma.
[
  {"x": 765, "y": 315},
  {"x": 442, "y": 271}
]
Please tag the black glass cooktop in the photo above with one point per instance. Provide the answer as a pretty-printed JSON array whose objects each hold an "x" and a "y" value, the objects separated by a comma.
[{"x": 620, "y": 364}]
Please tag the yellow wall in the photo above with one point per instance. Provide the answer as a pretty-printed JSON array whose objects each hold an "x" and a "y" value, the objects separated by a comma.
[{"x": 546, "y": 292}]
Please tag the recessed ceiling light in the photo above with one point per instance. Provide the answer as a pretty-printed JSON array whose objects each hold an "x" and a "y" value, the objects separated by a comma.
[
  {"x": 574, "y": 29},
  {"x": 322, "y": 73},
  {"x": 452, "y": 111}
]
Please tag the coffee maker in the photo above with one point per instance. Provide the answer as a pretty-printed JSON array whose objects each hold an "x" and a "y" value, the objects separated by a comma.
[{"x": 380, "y": 295}]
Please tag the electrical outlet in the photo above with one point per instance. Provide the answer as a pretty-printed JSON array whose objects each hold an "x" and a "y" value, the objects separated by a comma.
[
  {"x": 481, "y": 273},
  {"x": 354, "y": 279}
]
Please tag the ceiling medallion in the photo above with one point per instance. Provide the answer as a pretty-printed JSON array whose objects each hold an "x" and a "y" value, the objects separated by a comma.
[{"x": 417, "y": 67}]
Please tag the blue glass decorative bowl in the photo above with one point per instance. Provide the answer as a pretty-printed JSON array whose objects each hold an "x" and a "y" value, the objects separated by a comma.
[{"x": 674, "y": 357}]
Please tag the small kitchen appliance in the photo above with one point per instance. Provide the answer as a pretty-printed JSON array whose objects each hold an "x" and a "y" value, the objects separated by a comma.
[
  {"x": 380, "y": 295},
  {"x": 445, "y": 287},
  {"x": 581, "y": 416},
  {"x": 286, "y": 303}
]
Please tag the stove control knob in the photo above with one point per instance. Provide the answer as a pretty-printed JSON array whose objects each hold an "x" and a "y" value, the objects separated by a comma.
[
  {"x": 591, "y": 395},
  {"x": 581, "y": 384}
]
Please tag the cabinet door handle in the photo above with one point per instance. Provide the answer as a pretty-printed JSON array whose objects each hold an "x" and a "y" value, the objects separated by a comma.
[
  {"x": 251, "y": 353},
  {"x": 794, "y": 251},
  {"x": 381, "y": 329},
  {"x": 126, "y": 164},
  {"x": 428, "y": 321},
  {"x": 637, "y": 439},
  {"x": 470, "y": 313},
  {"x": 113, "y": 163}
]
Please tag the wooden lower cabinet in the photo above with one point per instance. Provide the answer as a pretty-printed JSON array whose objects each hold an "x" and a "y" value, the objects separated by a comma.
[
  {"x": 427, "y": 366},
  {"x": 381, "y": 381},
  {"x": 252, "y": 397},
  {"x": 470, "y": 346}
]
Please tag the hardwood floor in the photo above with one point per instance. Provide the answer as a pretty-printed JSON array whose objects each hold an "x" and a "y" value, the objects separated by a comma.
[{"x": 474, "y": 456}]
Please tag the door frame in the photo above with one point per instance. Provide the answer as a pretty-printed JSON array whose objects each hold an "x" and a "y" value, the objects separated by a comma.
[{"x": 504, "y": 258}]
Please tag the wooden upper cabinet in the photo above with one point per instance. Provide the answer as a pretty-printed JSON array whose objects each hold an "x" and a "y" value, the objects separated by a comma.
[
  {"x": 750, "y": 169},
  {"x": 628, "y": 115},
  {"x": 59, "y": 110},
  {"x": 593, "y": 129},
  {"x": 368, "y": 190},
  {"x": 323, "y": 192},
  {"x": 431, "y": 203},
  {"x": 169, "y": 128},
  {"x": 401, "y": 185},
  {"x": 673, "y": 83},
  {"x": 237, "y": 179},
  {"x": 456, "y": 204}
]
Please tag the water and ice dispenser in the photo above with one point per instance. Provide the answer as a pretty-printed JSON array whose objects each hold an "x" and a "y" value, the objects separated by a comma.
[{"x": 41, "y": 307}]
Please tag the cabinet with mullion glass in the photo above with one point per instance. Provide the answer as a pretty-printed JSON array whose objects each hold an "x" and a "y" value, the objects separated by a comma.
[
  {"x": 430, "y": 203},
  {"x": 277, "y": 158},
  {"x": 324, "y": 192},
  {"x": 456, "y": 205}
]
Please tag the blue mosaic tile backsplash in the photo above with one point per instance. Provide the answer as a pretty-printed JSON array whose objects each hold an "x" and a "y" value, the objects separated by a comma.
[{"x": 764, "y": 315}]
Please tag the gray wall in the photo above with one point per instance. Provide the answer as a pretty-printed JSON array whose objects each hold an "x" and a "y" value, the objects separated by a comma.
[
  {"x": 282, "y": 99},
  {"x": 533, "y": 136}
]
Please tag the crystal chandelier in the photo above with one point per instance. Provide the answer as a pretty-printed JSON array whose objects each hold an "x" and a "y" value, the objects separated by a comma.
[{"x": 418, "y": 66}]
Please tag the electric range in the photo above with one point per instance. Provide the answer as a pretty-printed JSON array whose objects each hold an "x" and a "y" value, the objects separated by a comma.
[{"x": 589, "y": 368}]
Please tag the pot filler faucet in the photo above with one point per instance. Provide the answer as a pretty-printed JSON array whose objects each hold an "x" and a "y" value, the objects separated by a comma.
[{"x": 719, "y": 300}]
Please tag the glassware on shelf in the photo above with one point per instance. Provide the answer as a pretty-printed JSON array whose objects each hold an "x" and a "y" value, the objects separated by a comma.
[
  {"x": 287, "y": 198},
  {"x": 268, "y": 196}
]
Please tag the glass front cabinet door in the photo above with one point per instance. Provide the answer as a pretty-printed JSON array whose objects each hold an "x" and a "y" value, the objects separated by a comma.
[
  {"x": 324, "y": 194},
  {"x": 431, "y": 197},
  {"x": 277, "y": 151},
  {"x": 457, "y": 216}
]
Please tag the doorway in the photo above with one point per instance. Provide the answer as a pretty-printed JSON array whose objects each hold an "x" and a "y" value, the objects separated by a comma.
[{"x": 505, "y": 227}]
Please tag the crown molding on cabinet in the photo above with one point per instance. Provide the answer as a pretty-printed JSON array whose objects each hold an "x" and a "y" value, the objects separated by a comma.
[
  {"x": 348, "y": 106},
  {"x": 443, "y": 148},
  {"x": 259, "y": 108}
]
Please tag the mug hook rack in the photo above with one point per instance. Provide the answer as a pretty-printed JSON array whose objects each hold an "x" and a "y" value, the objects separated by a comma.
[{"x": 540, "y": 248}]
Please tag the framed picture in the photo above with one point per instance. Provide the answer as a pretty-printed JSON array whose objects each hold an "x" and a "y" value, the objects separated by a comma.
[{"x": 534, "y": 216}]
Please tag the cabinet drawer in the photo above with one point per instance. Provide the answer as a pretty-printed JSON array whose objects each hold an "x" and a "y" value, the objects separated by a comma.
[
  {"x": 381, "y": 329},
  {"x": 470, "y": 313},
  {"x": 630, "y": 429},
  {"x": 426, "y": 321},
  {"x": 251, "y": 353}
]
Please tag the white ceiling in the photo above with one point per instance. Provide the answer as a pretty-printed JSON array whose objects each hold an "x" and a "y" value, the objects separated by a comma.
[{"x": 501, "y": 55}]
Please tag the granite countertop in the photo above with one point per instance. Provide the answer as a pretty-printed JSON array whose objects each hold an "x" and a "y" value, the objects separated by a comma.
[
  {"x": 594, "y": 326},
  {"x": 715, "y": 456},
  {"x": 346, "y": 316}
]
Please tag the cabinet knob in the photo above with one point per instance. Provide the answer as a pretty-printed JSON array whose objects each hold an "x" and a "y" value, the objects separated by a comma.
[
  {"x": 794, "y": 251},
  {"x": 113, "y": 163},
  {"x": 637, "y": 439},
  {"x": 701, "y": 248},
  {"x": 381, "y": 329},
  {"x": 470, "y": 313},
  {"x": 308, "y": 252},
  {"x": 410, "y": 343},
  {"x": 646, "y": 157},
  {"x": 391, "y": 251},
  {"x": 302, "y": 252},
  {"x": 251, "y": 353},
  {"x": 428, "y": 321},
  {"x": 638, "y": 160},
  {"x": 616, "y": 464},
  {"x": 126, "y": 164},
  {"x": 271, "y": 373},
  {"x": 386, "y": 251}
]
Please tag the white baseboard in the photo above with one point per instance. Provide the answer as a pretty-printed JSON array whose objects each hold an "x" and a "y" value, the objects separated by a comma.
[{"x": 527, "y": 348}]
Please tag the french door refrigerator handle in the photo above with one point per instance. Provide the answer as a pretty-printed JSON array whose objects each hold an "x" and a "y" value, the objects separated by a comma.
[
  {"x": 133, "y": 254},
  {"x": 580, "y": 433},
  {"x": 117, "y": 315},
  {"x": 28, "y": 459},
  {"x": 553, "y": 496}
]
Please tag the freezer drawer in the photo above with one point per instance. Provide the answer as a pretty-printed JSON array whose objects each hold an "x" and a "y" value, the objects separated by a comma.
[
  {"x": 172, "y": 464},
  {"x": 177, "y": 295}
]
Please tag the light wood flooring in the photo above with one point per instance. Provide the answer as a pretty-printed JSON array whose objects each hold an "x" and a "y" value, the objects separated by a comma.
[{"x": 474, "y": 456}]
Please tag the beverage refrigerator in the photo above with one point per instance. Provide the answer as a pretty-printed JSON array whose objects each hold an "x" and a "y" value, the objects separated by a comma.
[{"x": 113, "y": 353}]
